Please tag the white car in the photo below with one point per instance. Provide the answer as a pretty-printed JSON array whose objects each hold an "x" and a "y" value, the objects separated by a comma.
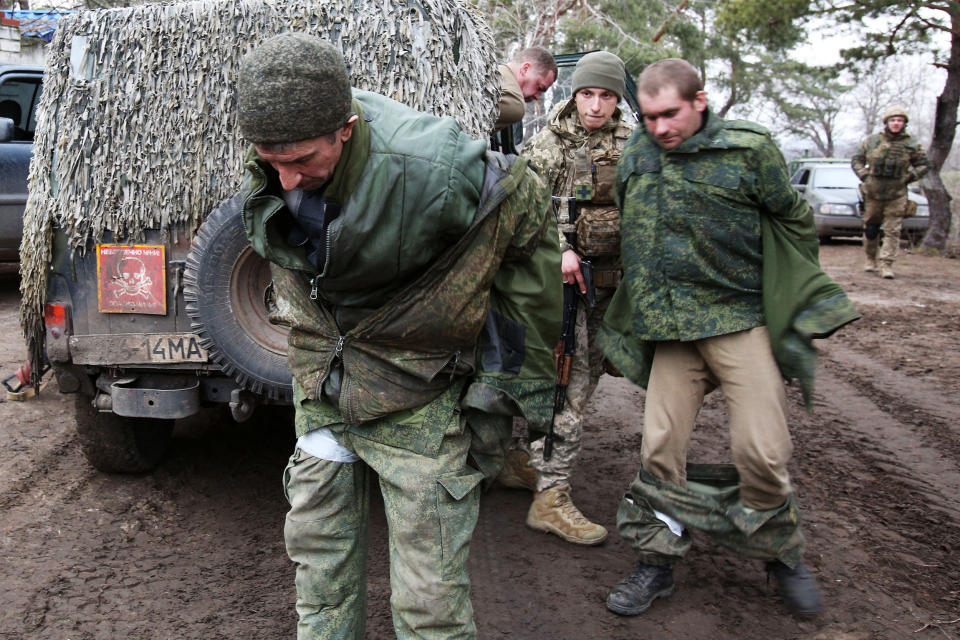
[{"x": 833, "y": 190}]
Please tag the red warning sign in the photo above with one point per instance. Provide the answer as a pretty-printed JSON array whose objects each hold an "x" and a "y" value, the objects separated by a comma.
[{"x": 131, "y": 279}]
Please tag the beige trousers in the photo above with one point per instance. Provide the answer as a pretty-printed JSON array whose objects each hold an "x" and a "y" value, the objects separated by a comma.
[
  {"x": 741, "y": 364},
  {"x": 889, "y": 214}
]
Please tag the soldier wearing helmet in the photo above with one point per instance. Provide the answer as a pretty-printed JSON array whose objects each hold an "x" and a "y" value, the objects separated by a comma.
[{"x": 886, "y": 163}]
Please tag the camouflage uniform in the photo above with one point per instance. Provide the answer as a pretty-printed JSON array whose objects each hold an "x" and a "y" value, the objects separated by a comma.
[
  {"x": 886, "y": 163},
  {"x": 428, "y": 324},
  {"x": 581, "y": 165},
  {"x": 692, "y": 257}
]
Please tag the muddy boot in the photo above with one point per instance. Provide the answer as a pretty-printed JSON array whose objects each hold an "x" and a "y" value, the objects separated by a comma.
[
  {"x": 554, "y": 512},
  {"x": 797, "y": 587},
  {"x": 635, "y": 593},
  {"x": 886, "y": 271},
  {"x": 517, "y": 472}
]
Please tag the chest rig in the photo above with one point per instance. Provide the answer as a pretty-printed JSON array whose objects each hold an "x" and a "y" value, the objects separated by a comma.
[
  {"x": 889, "y": 158},
  {"x": 587, "y": 213}
]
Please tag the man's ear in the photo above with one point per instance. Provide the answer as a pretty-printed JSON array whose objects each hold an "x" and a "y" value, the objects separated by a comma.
[
  {"x": 347, "y": 130},
  {"x": 700, "y": 101}
]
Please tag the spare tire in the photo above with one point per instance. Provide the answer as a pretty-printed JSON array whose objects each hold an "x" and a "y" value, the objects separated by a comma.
[{"x": 229, "y": 295}]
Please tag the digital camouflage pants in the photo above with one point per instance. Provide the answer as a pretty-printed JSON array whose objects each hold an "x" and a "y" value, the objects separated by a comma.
[
  {"x": 889, "y": 215},
  {"x": 431, "y": 507},
  {"x": 710, "y": 503},
  {"x": 584, "y": 375}
]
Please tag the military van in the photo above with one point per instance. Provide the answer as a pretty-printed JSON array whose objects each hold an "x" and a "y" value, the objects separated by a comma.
[{"x": 138, "y": 284}]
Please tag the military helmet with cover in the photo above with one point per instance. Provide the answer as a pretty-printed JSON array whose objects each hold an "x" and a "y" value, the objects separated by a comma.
[{"x": 895, "y": 110}]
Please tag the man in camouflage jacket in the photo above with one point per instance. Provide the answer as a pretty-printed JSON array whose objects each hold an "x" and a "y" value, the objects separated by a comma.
[
  {"x": 688, "y": 318},
  {"x": 577, "y": 154},
  {"x": 887, "y": 162},
  {"x": 403, "y": 257}
]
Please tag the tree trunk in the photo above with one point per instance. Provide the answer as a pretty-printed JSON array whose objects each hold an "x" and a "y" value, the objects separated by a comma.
[{"x": 944, "y": 131}]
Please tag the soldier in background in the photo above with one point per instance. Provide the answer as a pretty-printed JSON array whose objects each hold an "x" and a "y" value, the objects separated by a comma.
[
  {"x": 522, "y": 80},
  {"x": 577, "y": 154},
  {"x": 886, "y": 163}
]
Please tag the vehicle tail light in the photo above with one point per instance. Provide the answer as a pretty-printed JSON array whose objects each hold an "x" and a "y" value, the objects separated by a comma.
[{"x": 55, "y": 318}]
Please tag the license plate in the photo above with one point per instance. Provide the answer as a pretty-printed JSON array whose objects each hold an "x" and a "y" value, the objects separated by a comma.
[{"x": 137, "y": 348}]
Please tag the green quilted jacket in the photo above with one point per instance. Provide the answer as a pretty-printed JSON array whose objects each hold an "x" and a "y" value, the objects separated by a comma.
[{"x": 441, "y": 266}]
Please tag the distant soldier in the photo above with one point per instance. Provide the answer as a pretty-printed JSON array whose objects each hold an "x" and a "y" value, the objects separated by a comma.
[
  {"x": 886, "y": 163},
  {"x": 522, "y": 80},
  {"x": 577, "y": 154}
]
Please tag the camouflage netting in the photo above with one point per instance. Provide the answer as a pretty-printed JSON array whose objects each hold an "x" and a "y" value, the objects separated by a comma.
[{"x": 137, "y": 123}]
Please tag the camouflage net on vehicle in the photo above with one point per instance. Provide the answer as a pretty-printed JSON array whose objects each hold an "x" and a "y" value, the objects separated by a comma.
[{"x": 137, "y": 123}]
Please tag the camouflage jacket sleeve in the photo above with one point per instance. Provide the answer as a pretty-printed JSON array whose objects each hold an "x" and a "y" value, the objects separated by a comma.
[
  {"x": 777, "y": 196},
  {"x": 545, "y": 153},
  {"x": 517, "y": 374},
  {"x": 919, "y": 163},
  {"x": 859, "y": 160}
]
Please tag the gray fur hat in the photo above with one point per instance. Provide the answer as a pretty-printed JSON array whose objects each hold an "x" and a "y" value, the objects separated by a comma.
[
  {"x": 292, "y": 87},
  {"x": 600, "y": 69}
]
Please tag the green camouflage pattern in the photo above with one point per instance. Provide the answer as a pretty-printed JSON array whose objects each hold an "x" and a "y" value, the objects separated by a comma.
[
  {"x": 407, "y": 351},
  {"x": 755, "y": 184},
  {"x": 887, "y": 163},
  {"x": 431, "y": 505},
  {"x": 555, "y": 149},
  {"x": 691, "y": 228},
  {"x": 710, "y": 503}
]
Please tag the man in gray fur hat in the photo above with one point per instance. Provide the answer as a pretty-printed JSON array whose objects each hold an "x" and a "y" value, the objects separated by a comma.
[{"x": 395, "y": 241}]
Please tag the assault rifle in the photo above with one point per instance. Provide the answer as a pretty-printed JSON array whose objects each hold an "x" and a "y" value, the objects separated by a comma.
[{"x": 563, "y": 354}]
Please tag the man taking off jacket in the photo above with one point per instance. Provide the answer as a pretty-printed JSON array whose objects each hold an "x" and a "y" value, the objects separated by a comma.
[
  {"x": 697, "y": 194},
  {"x": 395, "y": 240}
]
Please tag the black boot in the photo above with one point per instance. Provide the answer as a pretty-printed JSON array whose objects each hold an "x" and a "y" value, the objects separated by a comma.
[
  {"x": 797, "y": 587},
  {"x": 635, "y": 593}
]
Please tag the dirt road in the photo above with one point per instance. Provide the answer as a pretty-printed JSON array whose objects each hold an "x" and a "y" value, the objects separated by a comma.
[{"x": 194, "y": 550}]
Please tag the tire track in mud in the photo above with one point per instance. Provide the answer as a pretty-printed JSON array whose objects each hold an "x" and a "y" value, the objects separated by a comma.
[
  {"x": 55, "y": 471},
  {"x": 888, "y": 480},
  {"x": 919, "y": 424}
]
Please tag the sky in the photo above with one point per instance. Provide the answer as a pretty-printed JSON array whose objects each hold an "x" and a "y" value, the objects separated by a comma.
[{"x": 824, "y": 48}]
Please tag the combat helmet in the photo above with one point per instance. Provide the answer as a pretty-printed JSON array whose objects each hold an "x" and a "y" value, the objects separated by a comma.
[{"x": 895, "y": 110}]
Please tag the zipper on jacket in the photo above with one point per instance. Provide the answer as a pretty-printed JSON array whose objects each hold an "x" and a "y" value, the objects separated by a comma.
[
  {"x": 314, "y": 288},
  {"x": 337, "y": 355},
  {"x": 456, "y": 363}
]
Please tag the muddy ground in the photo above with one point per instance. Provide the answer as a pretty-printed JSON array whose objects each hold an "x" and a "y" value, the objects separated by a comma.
[{"x": 194, "y": 549}]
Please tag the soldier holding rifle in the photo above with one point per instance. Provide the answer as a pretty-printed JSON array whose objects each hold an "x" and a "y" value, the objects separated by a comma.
[{"x": 577, "y": 153}]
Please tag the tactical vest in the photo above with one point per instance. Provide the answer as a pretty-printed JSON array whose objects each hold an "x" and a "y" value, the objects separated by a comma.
[
  {"x": 591, "y": 212},
  {"x": 889, "y": 158}
]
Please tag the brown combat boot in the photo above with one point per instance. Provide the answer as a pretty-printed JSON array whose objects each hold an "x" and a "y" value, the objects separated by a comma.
[
  {"x": 554, "y": 512},
  {"x": 517, "y": 472},
  {"x": 886, "y": 271},
  {"x": 870, "y": 264}
]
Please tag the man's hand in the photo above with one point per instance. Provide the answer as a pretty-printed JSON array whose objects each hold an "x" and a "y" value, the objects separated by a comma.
[{"x": 570, "y": 267}]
